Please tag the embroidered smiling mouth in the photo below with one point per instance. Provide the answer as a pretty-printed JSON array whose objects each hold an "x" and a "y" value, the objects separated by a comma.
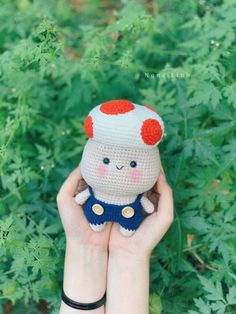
[{"x": 119, "y": 168}]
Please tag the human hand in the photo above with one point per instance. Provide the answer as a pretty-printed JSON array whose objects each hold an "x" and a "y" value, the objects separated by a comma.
[
  {"x": 86, "y": 251},
  {"x": 128, "y": 271},
  {"x": 153, "y": 228},
  {"x": 74, "y": 222}
]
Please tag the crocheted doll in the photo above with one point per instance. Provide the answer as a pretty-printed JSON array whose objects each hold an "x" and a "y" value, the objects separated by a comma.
[{"x": 120, "y": 162}]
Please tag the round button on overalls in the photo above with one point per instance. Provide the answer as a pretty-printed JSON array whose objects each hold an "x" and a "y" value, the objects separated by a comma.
[
  {"x": 97, "y": 209},
  {"x": 127, "y": 212}
]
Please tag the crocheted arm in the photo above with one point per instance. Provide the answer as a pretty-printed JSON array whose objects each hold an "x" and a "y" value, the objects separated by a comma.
[
  {"x": 147, "y": 205},
  {"x": 82, "y": 197}
]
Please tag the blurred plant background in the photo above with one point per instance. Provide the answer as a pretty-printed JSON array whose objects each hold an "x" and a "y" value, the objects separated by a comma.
[{"x": 59, "y": 58}]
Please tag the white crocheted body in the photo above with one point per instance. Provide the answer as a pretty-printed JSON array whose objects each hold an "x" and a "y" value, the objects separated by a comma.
[{"x": 117, "y": 182}]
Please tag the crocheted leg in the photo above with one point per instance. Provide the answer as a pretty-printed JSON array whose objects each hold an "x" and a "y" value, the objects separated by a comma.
[
  {"x": 98, "y": 227},
  {"x": 126, "y": 232}
]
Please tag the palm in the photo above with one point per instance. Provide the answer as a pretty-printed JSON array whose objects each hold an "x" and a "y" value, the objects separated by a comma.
[
  {"x": 153, "y": 227},
  {"x": 74, "y": 222},
  {"x": 77, "y": 227},
  {"x": 142, "y": 239}
]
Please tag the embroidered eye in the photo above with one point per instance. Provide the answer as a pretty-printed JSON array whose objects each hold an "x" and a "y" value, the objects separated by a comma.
[
  {"x": 106, "y": 161},
  {"x": 133, "y": 164}
]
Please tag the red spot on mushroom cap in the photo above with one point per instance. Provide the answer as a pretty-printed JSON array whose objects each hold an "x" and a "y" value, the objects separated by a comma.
[
  {"x": 151, "y": 131},
  {"x": 88, "y": 126},
  {"x": 150, "y": 108},
  {"x": 115, "y": 107}
]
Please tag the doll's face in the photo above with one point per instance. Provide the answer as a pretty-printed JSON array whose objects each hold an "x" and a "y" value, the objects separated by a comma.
[{"x": 119, "y": 170}]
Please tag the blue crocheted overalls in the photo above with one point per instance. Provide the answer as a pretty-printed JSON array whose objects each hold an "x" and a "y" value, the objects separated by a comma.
[{"x": 128, "y": 216}]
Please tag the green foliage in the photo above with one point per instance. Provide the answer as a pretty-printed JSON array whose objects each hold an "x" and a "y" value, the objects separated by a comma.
[
  {"x": 58, "y": 60},
  {"x": 217, "y": 302}
]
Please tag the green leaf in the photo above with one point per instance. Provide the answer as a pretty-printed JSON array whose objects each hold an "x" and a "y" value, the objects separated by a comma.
[
  {"x": 218, "y": 307},
  {"x": 155, "y": 306},
  {"x": 231, "y": 296},
  {"x": 206, "y": 93},
  {"x": 192, "y": 220},
  {"x": 203, "y": 307},
  {"x": 215, "y": 292},
  {"x": 230, "y": 93}
]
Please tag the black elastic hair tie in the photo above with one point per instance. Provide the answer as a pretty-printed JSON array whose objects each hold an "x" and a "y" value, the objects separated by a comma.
[{"x": 82, "y": 306}]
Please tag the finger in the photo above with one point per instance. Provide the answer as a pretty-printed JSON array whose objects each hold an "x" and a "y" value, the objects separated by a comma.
[
  {"x": 165, "y": 205},
  {"x": 156, "y": 225},
  {"x": 70, "y": 186},
  {"x": 161, "y": 174},
  {"x": 108, "y": 226},
  {"x": 115, "y": 227},
  {"x": 162, "y": 171}
]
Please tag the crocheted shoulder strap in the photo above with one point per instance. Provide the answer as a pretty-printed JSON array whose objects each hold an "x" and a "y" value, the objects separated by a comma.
[
  {"x": 138, "y": 198},
  {"x": 90, "y": 191}
]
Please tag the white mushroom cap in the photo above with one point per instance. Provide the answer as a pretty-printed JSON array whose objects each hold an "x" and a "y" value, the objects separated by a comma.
[{"x": 123, "y": 123}]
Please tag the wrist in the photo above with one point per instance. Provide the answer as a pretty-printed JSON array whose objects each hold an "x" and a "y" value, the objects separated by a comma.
[
  {"x": 128, "y": 282},
  {"x": 90, "y": 257},
  {"x": 85, "y": 271},
  {"x": 128, "y": 256},
  {"x": 128, "y": 260},
  {"x": 74, "y": 244}
]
